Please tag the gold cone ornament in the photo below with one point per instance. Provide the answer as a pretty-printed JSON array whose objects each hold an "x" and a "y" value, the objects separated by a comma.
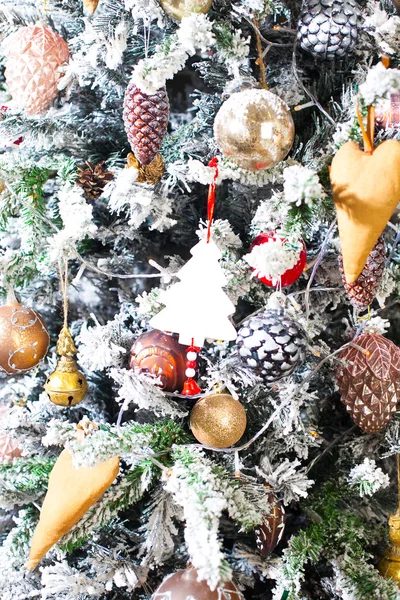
[
  {"x": 34, "y": 56},
  {"x": 66, "y": 386},
  {"x": 389, "y": 565},
  {"x": 150, "y": 173},
  {"x": 70, "y": 494},
  {"x": 366, "y": 190}
]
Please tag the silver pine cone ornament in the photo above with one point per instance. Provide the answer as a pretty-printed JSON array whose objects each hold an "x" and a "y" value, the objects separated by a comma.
[
  {"x": 272, "y": 345},
  {"x": 146, "y": 120},
  {"x": 362, "y": 292},
  {"x": 329, "y": 29}
]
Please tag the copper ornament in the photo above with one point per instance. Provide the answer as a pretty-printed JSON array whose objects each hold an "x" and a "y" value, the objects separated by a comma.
[
  {"x": 34, "y": 56},
  {"x": 177, "y": 9},
  {"x": 183, "y": 585},
  {"x": 24, "y": 338},
  {"x": 161, "y": 355},
  {"x": 254, "y": 129},
  {"x": 269, "y": 533},
  {"x": 369, "y": 382},
  {"x": 387, "y": 113},
  {"x": 218, "y": 420},
  {"x": 66, "y": 386}
]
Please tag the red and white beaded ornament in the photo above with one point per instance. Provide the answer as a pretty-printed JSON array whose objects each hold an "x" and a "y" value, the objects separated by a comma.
[
  {"x": 276, "y": 261},
  {"x": 197, "y": 307}
]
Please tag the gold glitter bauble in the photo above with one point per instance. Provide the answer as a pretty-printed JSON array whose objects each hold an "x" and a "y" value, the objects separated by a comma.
[
  {"x": 24, "y": 338},
  {"x": 389, "y": 565},
  {"x": 254, "y": 129},
  {"x": 218, "y": 420},
  {"x": 177, "y": 9},
  {"x": 66, "y": 386}
]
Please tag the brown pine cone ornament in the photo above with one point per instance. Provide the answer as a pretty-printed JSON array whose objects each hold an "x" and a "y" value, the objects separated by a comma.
[
  {"x": 146, "y": 121},
  {"x": 269, "y": 533},
  {"x": 369, "y": 381},
  {"x": 362, "y": 292},
  {"x": 94, "y": 179}
]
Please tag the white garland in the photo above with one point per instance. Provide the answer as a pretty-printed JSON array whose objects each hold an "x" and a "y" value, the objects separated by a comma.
[{"x": 368, "y": 478}]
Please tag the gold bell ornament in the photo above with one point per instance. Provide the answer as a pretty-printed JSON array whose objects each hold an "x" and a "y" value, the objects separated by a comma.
[
  {"x": 66, "y": 386},
  {"x": 177, "y": 9},
  {"x": 389, "y": 565}
]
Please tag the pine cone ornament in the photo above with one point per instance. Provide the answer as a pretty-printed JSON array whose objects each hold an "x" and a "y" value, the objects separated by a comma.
[
  {"x": 362, "y": 292},
  {"x": 146, "y": 121},
  {"x": 369, "y": 382},
  {"x": 272, "y": 344},
  {"x": 94, "y": 179},
  {"x": 34, "y": 55},
  {"x": 329, "y": 28},
  {"x": 269, "y": 533}
]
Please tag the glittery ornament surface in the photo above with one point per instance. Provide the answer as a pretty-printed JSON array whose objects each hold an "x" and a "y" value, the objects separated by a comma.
[
  {"x": 218, "y": 420},
  {"x": 269, "y": 533},
  {"x": 24, "y": 338},
  {"x": 177, "y": 9},
  {"x": 369, "y": 383},
  {"x": 34, "y": 55},
  {"x": 387, "y": 113},
  {"x": 146, "y": 121},
  {"x": 254, "y": 129},
  {"x": 329, "y": 28},
  {"x": 183, "y": 585},
  {"x": 161, "y": 355},
  {"x": 362, "y": 292},
  {"x": 8, "y": 446},
  {"x": 271, "y": 344}
]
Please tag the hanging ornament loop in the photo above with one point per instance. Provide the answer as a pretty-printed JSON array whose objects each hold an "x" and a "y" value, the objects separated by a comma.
[{"x": 211, "y": 196}]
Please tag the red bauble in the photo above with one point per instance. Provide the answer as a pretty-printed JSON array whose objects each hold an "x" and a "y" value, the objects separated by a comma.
[
  {"x": 289, "y": 276},
  {"x": 369, "y": 381}
]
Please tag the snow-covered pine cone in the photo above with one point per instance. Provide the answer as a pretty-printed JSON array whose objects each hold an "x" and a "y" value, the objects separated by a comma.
[
  {"x": 146, "y": 121},
  {"x": 329, "y": 28},
  {"x": 362, "y": 292},
  {"x": 272, "y": 345}
]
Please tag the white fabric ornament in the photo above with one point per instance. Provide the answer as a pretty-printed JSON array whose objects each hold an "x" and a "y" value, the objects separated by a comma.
[{"x": 196, "y": 307}]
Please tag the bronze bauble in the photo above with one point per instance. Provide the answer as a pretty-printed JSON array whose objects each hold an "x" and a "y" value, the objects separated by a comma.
[
  {"x": 160, "y": 354},
  {"x": 177, "y": 9},
  {"x": 389, "y": 565},
  {"x": 183, "y": 585},
  {"x": 218, "y": 420},
  {"x": 24, "y": 338},
  {"x": 254, "y": 129},
  {"x": 269, "y": 533},
  {"x": 66, "y": 386},
  {"x": 369, "y": 381}
]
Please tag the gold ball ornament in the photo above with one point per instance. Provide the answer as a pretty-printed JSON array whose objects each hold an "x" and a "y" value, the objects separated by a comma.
[
  {"x": 389, "y": 565},
  {"x": 254, "y": 129},
  {"x": 24, "y": 338},
  {"x": 177, "y": 9},
  {"x": 218, "y": 420},
  {"x": 66, "y": 386}
]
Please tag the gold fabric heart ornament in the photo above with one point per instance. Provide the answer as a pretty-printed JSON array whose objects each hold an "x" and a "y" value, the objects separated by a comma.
[
  {"x": 70, "y": 494},
  {"x": 366, "y": 190}
]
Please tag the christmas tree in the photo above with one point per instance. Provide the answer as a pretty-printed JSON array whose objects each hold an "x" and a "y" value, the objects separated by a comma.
[{"x": 279, "y": 480}]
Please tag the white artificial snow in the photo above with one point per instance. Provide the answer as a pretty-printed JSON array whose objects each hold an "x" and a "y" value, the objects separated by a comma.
[
  {"x": 368, "y": 478},
  {"x": 302, "y": 186},
  {"x": 273, "y": 258},
  {"x": 384, "y": 28},
  {"x": 100, "y": 346},
  {"x": 221, "y": 233},
  {"x": 146, "y": 11},
  {"x": 62, "y": 581},
  {"x": 286, "y": 478},
  {"x": 379, "y": 84}
]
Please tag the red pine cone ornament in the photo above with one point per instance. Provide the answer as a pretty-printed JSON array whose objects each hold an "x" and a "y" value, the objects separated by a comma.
[
  {"x": 370, "y": 383},
  {"x": 266, "y": 269},
  {"x": 34, "y": 55},
  {"x": 362, "y": 292},
  {"x": 146, "y": 121}
]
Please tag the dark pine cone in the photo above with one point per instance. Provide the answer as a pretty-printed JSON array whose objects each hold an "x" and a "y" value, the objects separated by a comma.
[
  {"x": 271, "y": 344},
  {"x": 329, "y": 28},
  {"x": 146, "y": 121},
  {"x": 362, "y": 292},
  {"x": 94, "y": 179}
]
